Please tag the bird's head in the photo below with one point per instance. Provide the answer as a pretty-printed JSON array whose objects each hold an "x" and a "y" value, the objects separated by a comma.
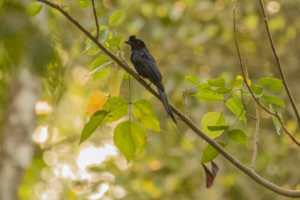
[{"x": 135, "y": 43}]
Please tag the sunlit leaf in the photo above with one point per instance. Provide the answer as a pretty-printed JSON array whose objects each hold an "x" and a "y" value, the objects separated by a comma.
[
  {"x": 103, "y": 35},
  {"x": 101, "y": 67},
  {"x": 218, "y": 82},
  {"x": 129, "y": 137},
  {"x": 203, "y": 85},
  {"x": 100, "y": 74},
  {"x": 116, "y": 17},
  {"x": 209, "y": 153},
  {"x": 96, "y": 102},
  {"x": 256, "y": 89},
  {"x": 84, "y": 3},
  {"x": 192, "y": 79},
  {"x": 222, "y": 90},
  {"x": 274, "y": 100},
  {"x": 238, "y": 136},
  {"x": 117, "y": 108},
  {"x": 34, "y": 9},
  {"x": 271, "y": 83},
  {"x": 126, "y": 76},
  {"x": 143, "y": 112},
  {"x": 114, "y": 42},
  {"x": 217, "y": 128},
  {"x": 236, "y": 106},
  {"x": 94, "y": 122},
  {"x": 236, "y": 83},
  {"x": 115, "y": 81},
  {"x": 213, "y": 119},
  {"x": 275, "y": 120},
  {"x": 207, "y": 94},
  {"x": 91, "y": 49}
]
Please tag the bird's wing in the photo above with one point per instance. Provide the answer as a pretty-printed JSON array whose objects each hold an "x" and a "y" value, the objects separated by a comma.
[{"x": 146, "y": 63}]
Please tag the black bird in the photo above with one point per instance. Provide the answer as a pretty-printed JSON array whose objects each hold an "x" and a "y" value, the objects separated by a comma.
[{"x": 146, "y": 67}]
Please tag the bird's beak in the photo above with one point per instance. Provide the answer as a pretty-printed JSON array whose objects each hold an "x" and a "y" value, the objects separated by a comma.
[{"x": 128, "y": 42}]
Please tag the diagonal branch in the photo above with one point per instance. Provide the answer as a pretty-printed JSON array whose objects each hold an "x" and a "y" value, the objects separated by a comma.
[
  {"x": 275, "y": 114},
  {"x": 282, "y": 76},
  {"x": 96, "y": 19},
  {"x": 267, "y": 184}
]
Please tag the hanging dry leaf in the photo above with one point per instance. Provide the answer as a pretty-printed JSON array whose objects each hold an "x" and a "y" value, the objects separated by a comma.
[
  {"x": 210, "y": 176},
  {"x": 214, "y": 169},
  {"x": 96, "y": 102}
]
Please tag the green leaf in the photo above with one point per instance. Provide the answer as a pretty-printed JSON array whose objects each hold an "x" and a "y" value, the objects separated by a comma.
[
  {"x": 236, "y": 86},
  {"x": 236, "y": 106},
  {"x": 217, "y": 128},
  {"x": 129, "y": 137},
  {"x": 256, "y": 89},
  {"x": 238, "y": 136},
  {"x": 271, "y": 83},
  {"x": 126, "y": 76},
  {"x": 192, "y": 79},
  {"x": 94, "y": 122},
  {"x": 117, "y": 108},
  {"x": 34, "y": 9},
  {"x": 236, "y": 83},
  {"x": 218, "y": 82},
  {"x": 144, "y": 113},
  {"x": 103, "y": 35},
  {"x": 91, "y": 49},
  {"x": 98, "y": 62},
  {"x": 275, "y": 120},
  {"x": 209, "y": 153},
  {"x": 116, "y": 17},
  {"x": 274, "y": 100},
  {"x": 203, "y": 85},
  {"x": 207, "y": 94},
  {"x": 84, "y": 3},
  {"x": 115, "y": 81},
  {"x": 114, "y": 42},
  {"x": 211, "y": 119},
  {"x": 222, "y": 90}
]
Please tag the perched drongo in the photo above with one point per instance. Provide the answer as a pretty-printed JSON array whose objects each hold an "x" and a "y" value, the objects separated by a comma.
[{"x": 146, "y": 67}]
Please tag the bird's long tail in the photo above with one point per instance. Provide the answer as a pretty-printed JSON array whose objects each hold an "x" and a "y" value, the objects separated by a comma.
[{"x": 166, "y": 104}]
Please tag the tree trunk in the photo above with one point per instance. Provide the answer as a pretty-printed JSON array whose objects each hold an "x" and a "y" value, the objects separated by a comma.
[{"x": 16, "y": 148}]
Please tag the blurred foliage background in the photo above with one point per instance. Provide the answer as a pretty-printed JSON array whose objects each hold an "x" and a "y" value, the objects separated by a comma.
[{"x": 45, "y": 88}]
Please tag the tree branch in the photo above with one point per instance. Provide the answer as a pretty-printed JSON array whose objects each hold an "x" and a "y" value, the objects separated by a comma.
[
  {"x": 255, "y": 142},
  {"x": 96, "y": 19},
  {"x": 287, "y": 89},
  {"x": 186, "y": 120},
  {"x": 275, "y": 114}
]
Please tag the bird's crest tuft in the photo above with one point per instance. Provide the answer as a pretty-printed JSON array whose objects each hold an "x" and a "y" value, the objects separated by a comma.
[{"x": 132, "y": 38}]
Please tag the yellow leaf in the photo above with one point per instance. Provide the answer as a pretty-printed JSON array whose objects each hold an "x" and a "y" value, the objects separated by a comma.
[{"x": 96, "y": 102}]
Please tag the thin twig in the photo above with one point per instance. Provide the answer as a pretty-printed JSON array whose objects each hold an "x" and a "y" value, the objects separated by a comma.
[
  {"x": 185, "y": 103},
  {"x": 282, "y": 76},
  {"x": 275, "y": 114},
  {"x": 255, "y": 142},
  {"x": 96, "y": 19},
  {"x": 262, "y": 181}
]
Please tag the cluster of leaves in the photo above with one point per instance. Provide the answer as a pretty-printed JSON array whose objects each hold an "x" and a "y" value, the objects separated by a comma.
[
  {"x": 129, "y": 136},
  {"x": 235, "y": 96}
]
